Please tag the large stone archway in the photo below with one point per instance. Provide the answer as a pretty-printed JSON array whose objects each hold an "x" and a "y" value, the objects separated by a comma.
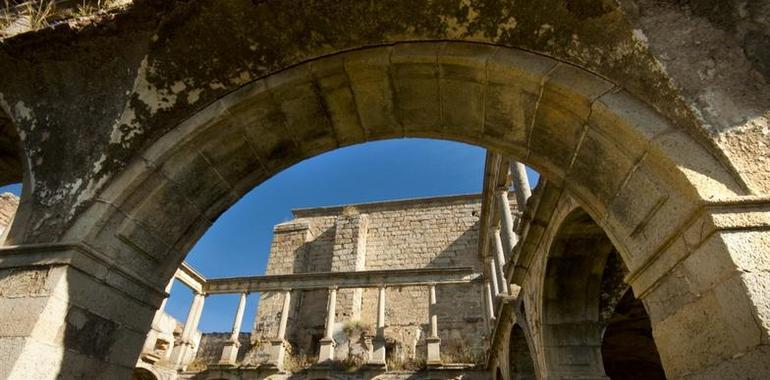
[{"x": 650, "y": 184}]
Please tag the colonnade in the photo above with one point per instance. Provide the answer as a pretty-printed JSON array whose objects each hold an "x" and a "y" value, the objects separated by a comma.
[
  {"x": 286, "y": 284},
  {"x": 504, "y": 237}
]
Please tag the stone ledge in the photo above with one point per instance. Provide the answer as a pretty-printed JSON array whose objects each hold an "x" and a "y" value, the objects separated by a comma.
[{"x": 86, "y": 260}]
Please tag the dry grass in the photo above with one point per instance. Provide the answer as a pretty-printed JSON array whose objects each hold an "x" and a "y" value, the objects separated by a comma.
[
  {"x": 298, "y": 363},
  {"x": 38, "y": 14},
  {"x": 462, "y": 353},
  {"x": 33, "y": 15},
  {"x": 408, "y": 364},
  {"x": 197, "y": 365},
  {"x": 355, "y": 328},
  {"x": 90, "y": 8}
]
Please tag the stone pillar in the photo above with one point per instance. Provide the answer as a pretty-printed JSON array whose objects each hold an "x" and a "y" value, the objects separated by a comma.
[
  {"x": 278, "y": 345},
  {"x": 709, "y": 311},
  {"x": 433, "y": 341},
  {"x": 485, "y": 308},
  {"x": 230, "y": 350},
  {"x": 490, "y": 303},
  {"x": 349, "y": 254},
  {"x": 326, "y": 353},
  {"x": 506, "y": 222},
  {"x": 162, "y": 307},
  {"x": 500, "y": 262},
  {"x": 60, "y": 321},
  {"x": 520, "y": 184},
  {"x": 183, "y": 352},
  {"x": 377, "y": 357},
  {"x": 489, "y": 260}
]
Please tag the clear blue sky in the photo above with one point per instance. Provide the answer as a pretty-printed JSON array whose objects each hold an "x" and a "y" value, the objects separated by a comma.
[{"x": 239, "y": 242}]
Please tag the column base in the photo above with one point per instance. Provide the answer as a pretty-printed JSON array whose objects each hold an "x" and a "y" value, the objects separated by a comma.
[
  {"x": 180, "y": 356},
  {"x": 230, "y": 354},
  {"x": 377, "y": 355},
  {"x": 277, "y": 354},
  {"x": 434, "y": 351},
  {"x": 326, "y": 354}
]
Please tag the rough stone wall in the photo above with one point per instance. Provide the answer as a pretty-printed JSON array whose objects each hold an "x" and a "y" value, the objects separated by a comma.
[
  {"x": 142, "y": 50},
  {"x": 437, "y": 232},
  {"x": 424, "y": 236},
  {"x": 718, "y": 54}
]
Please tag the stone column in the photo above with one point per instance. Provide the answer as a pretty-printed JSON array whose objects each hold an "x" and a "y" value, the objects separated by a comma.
[
  {"x": 185, "y": 350},
  {"x": 162, "y": 307},
  {"x": 520, "y": 184},
  {"x": 278, "y": 345},
  {"x": 378, "y": 353},
  {"x": 485, "y": 308},
  {"x": 349, "y": 254},
  {"x": 489, "y": 260},
  {"x": 433, "y": 341},
  {"x": 326, "y": 353},
  {"x": 506, "y": 221},
  {"x": 230, "y": 350},
  {"x": 500, "y": 262},
  {"x": 64, "y": 322},
  {"x": 490, "y": 303}
]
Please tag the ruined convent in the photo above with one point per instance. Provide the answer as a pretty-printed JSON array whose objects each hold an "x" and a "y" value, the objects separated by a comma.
[{"x": 643, "y": 251}]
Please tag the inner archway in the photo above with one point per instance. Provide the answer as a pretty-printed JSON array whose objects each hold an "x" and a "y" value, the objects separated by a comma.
[
  {"x": 593, "y": 324},
  {"x": 521, "y": 365},
  {"x": 143, "y": 374},
  {"x": 572, "y": 287}
]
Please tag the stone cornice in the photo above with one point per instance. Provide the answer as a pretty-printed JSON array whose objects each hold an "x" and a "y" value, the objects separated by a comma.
[{"x": 351, "y": 279}]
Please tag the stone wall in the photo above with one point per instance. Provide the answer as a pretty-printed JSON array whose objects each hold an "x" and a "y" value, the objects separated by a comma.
[{"x": 421, "y": 233}]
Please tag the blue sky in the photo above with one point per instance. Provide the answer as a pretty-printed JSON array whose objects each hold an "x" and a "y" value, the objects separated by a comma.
[{"x": 239, "y": 242}]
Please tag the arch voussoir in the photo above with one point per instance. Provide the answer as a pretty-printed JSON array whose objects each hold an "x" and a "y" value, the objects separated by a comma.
[
  {"x": 369, "y": 73},
  {"x": 334, "y": 87},
  {"x": 416, "y": 84}
]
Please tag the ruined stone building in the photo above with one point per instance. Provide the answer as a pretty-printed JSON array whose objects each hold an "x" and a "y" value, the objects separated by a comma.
[
  {"x": 414, "y": 234},
  {"x": 426, "y": 241},
  {"x": 643, "y": 251}
]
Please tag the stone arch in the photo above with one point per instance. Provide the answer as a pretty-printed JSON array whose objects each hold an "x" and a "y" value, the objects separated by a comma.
[
  {"x": 562, "y": 120},
  {"x": 636, "y": 174},
  {"x": 520, "y": 363},
  {"x": 572, "y": 324},
  {"x": 142, "y": 373}
]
